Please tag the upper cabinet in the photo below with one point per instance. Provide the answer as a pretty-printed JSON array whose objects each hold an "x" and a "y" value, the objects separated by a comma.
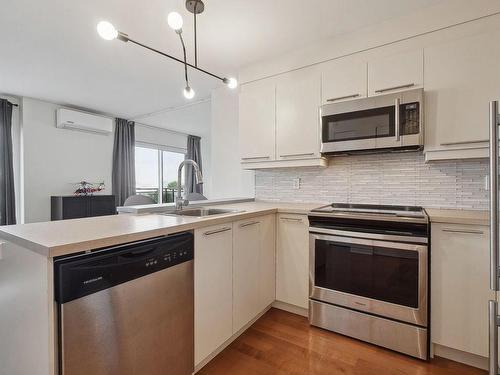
[
  {"x": 257, "y": 121},
  {"x": 297, "y": 115},
  {"x": 396, "y": 72},
  {"x": 461, "y": 78},
  {"x": 343, "y": 79},
  {"x": 279, "y": 121}
]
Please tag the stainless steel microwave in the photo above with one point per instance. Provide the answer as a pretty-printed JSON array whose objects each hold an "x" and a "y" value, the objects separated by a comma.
[{"x": 385, "y": 122}]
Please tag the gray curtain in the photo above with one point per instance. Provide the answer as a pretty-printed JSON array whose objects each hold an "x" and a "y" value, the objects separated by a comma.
[
  {"x": 123, "y": 174},
  {"x": 193, "y": 153},
  {"x": 7, "y": 194}
]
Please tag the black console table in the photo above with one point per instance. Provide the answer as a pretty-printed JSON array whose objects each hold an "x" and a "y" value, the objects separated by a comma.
[{"x": 74, "y": 207}]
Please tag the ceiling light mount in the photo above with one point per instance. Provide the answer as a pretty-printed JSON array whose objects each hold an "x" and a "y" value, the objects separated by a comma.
[{"x": 195, "y": 6}]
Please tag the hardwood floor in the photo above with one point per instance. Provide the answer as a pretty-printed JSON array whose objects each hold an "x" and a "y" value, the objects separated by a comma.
[{"x": 282, "y": 343}]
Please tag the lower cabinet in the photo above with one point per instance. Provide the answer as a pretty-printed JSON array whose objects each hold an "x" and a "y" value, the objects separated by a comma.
[
  {"x": 234, "y": 279},
  {"x": 292, "y": 257},
  {"x": 267, "y": 276},
  {"x": 460, "y": 287},
  {"x": 246, "y": 266},
  {"x": 213, "y": 288},
  {"x": 253, "y": 268}
]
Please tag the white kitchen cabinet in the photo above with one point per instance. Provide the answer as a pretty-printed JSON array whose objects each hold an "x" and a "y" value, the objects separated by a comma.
[
  {"x": 297, "y": 114},
  {"x": 401, "y": 71},
  {"x": 292, "y": 257},
  {"x": 267, "y": 278},
  {"x": 343, "y": 79},
  {"x": 213, "y": 288},
  {"x": 460, "y": 287},
  {"x": 461, "y": 78},
  {"x": 246, "y": 266},
  {"x": 257, "y": 121}
]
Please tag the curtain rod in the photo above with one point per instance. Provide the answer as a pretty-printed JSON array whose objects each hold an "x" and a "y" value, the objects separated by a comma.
[{"x": 13, "y": 104}]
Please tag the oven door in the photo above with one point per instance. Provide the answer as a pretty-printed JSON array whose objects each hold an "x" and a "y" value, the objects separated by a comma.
[{"x": 383, "y": 278}]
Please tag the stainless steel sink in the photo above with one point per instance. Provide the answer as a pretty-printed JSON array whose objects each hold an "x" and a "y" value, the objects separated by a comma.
[{"x": 202, "y": 212}]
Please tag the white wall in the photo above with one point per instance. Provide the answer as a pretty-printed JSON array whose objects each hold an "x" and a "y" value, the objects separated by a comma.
[
  {"x": 445, "y": 14},
  {"x": 228, "y": 178},
  {"x": 55, "y": 159}
]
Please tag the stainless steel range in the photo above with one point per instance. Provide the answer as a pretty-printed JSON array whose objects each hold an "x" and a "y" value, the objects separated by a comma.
[{"x": 369, "y": 274}]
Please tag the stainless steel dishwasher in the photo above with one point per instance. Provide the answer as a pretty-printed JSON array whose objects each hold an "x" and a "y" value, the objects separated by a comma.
[{"x": 127, "y": 310}]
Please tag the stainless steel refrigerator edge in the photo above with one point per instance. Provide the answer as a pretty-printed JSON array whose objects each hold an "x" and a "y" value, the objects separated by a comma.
[{"x": 493, "y": 317}]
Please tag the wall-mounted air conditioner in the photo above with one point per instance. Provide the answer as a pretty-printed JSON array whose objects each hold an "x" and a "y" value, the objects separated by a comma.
[{"x": 77, "y": 120}]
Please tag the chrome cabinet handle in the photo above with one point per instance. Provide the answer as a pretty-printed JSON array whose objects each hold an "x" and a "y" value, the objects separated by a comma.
[
  {"x": 343, "y": 97},
  {"x": 291, "y": 219},
  {"x": 248, "y": 224},
  {"x": 466, "y": 231},
  {"x": 395, "y": 88},
  {"x": 463, "y": 142},
  {"x": 494, "y": 203},
  {"x": 289, "y": 155},
  {"x": 397, "y": 103},
  {"x": 256, "y": 157},
  {"x": 215, "y": 231}
]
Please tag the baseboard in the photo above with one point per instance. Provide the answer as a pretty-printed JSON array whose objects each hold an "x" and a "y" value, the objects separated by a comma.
[
  {"x": 291, "y": 308},
  {"x": 202, "y": 364},
  {"x": 470, "y": 359}
]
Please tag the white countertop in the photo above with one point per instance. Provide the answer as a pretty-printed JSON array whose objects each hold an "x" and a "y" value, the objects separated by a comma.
[
  {"x": 56, "y": 238},
  {"x": 466, "y": 217}
]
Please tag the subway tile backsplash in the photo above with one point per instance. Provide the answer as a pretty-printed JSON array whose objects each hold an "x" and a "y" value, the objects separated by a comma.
[{"x": 400, "y": 178}]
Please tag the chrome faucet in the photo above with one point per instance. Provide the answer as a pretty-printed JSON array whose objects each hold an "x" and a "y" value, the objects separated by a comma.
[{"x": 179, "y": 201}]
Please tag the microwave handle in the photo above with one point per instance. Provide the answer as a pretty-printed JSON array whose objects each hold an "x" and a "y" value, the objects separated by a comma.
[{"x": 397, "y": 103}]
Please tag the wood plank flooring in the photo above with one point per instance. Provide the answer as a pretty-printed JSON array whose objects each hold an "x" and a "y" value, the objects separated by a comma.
[{"x": 282, "y": 343}]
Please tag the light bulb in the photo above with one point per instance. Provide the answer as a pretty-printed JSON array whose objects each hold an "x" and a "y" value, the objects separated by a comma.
[
  {"x": 231, "y": 82},
  {"x": 106, "y": 30},
  {"x": 174, "y": 20},
  {"x": 189, "y": 93}
]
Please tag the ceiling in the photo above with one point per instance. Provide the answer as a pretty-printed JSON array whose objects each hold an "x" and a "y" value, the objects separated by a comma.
[{"x": 50, "y": 49}]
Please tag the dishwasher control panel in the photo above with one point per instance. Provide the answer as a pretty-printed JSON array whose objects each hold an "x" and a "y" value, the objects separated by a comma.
[{"x": 78, "y": 276}]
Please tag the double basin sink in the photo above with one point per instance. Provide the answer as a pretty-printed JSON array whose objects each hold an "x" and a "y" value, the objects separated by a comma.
[{"x": 201, "y": 212}]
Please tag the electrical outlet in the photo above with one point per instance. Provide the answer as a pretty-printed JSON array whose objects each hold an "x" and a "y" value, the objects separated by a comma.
[{"x": 296, "y": 183}]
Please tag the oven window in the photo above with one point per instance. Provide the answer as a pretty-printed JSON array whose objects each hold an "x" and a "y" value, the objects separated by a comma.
[
  {"x": 366, "y": 124},
  {"x": 384, "y": 274}
]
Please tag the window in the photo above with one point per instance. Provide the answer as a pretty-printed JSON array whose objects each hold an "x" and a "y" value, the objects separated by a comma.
[{"x": 155, "y": 172}]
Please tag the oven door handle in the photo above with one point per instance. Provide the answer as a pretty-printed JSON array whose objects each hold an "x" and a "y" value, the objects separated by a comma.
[{"x": 373, "y": 243}]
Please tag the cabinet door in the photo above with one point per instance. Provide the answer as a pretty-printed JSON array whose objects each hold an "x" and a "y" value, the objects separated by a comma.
[
  {"x": 213, "y": 288},
  {"x": 75, "y": 207},
  {"x": 292, "y": 268},
  {"x": 267, "y": 277},
  {"x": 461, "y": 78},
  {"x": 460, "y": 287},
  {"x": 246, "y": 266},
  {"x": 396, "y": 72},
  {"x": 343, "y": 79},
  {"x": 297, "y": 114},
  {"x": 101, "y": 205},
  {"x": 257, "y": 121}
]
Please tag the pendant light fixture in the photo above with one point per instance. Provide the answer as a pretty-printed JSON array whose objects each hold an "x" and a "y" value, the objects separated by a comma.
[{"x": 108, "y": 32}]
